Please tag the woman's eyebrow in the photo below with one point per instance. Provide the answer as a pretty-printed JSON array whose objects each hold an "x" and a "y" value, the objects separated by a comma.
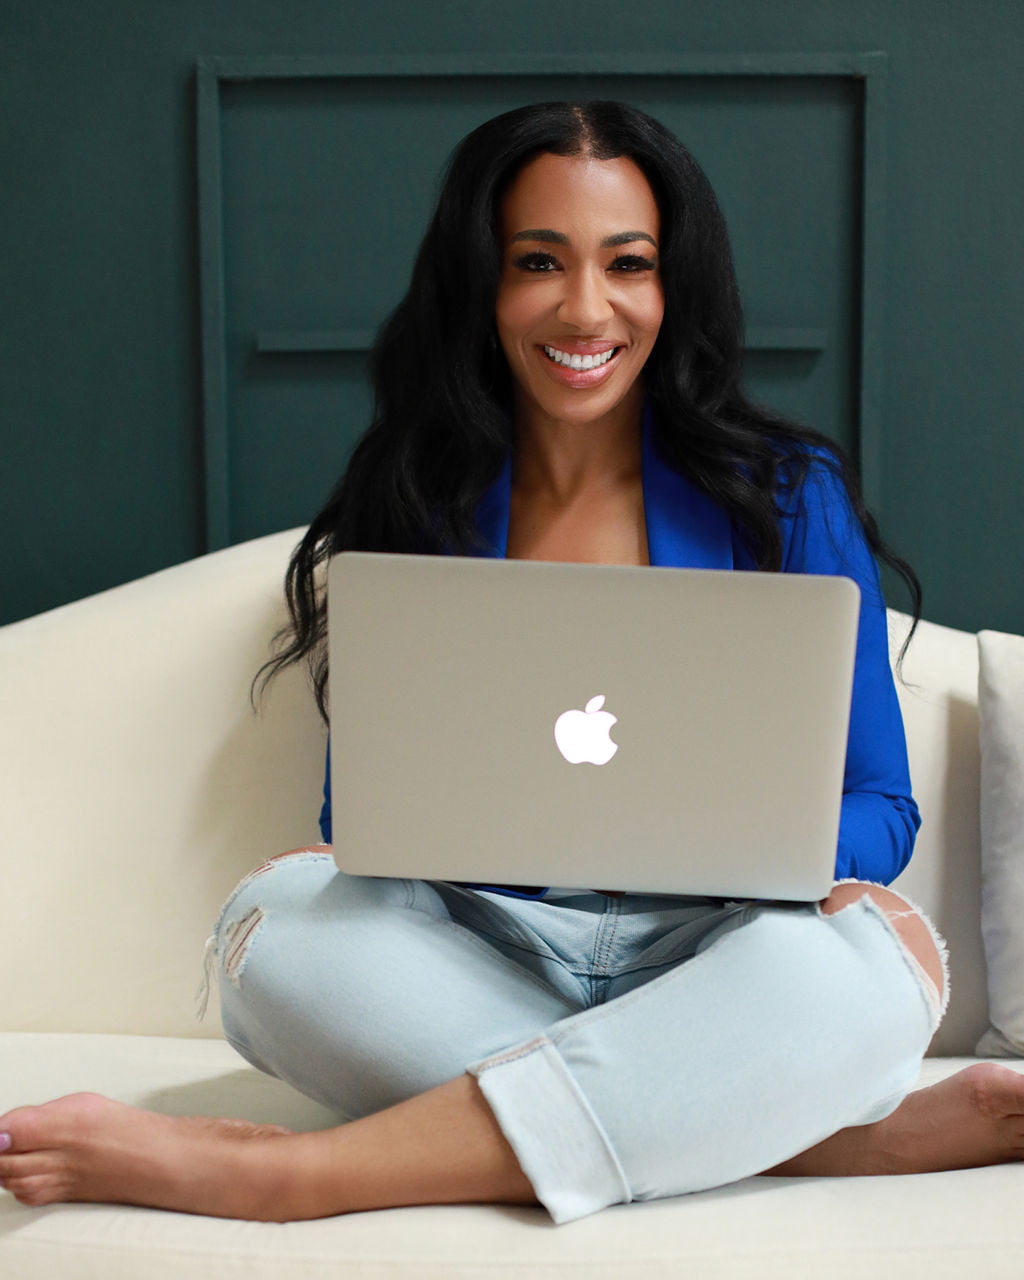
[
  {"x": 627, "y": 237},
  {"x": 546, "y": 236}
]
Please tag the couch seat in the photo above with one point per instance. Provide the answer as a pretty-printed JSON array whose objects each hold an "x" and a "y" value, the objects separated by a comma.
[{"x": 940, "y": 1226}]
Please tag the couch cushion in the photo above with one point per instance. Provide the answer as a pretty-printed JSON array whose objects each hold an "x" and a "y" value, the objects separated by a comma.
[
  {"x": 940, "y": 1225},
  {"x": 1001, "y": 707}
]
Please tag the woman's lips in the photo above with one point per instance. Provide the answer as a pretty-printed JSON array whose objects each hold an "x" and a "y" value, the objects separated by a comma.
[{"x": 580, "y": 378}]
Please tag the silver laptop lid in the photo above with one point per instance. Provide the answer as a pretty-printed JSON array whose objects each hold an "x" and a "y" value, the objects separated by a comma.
[{"x": 519, "y": 722}]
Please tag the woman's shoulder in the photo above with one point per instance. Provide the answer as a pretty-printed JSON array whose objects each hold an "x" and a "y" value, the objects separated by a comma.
[
  {"x": 821, "y": 530},
  {"x": 809, "y": 475}
]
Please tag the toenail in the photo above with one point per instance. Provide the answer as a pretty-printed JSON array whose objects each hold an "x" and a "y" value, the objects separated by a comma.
[{"x": 5, "y": 1141}]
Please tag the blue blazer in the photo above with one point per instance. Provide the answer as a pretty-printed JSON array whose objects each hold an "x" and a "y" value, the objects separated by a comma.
[{"x": 821, "y": 534}]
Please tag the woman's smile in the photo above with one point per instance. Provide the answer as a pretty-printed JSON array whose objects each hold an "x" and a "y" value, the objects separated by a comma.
[{"x": 581, "y": 364}]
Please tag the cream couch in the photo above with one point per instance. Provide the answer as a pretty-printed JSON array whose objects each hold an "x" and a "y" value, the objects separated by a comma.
[{"x": 137, "y": 786}]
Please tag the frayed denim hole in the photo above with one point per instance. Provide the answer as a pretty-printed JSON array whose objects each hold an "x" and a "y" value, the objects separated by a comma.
[
  {"x": 238, "y": 939},
  {"x": 936, "y": 1001}
]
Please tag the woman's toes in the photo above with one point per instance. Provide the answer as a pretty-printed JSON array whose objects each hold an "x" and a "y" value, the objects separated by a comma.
[
  {"x": 38, "y": 1189},
  {"x": 19, "y": 1126},
  {"x": 25, "y": 1166},
  {"x": 40, "y": 1180},
  {"x": 53, "y": 1123},
  {"x": 998, "y": 1092}
]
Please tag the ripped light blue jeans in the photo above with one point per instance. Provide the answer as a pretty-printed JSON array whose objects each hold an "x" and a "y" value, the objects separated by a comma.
[{"x": 630, "y": 1048}]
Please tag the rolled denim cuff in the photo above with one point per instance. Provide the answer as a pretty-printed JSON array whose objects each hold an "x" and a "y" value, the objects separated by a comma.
[{"x": 559, "y": 1142}]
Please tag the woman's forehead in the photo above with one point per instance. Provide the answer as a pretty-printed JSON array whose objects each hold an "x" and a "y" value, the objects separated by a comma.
[{"x": 579, "y": 196}]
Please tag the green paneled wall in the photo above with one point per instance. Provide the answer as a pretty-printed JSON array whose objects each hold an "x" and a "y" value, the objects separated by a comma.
[
  {"x": 101, "y": 434},
  {"x": 317, "y": 177}
]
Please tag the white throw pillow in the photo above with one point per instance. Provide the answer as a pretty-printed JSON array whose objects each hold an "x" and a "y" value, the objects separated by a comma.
[{"x": 1001, "y": 708}]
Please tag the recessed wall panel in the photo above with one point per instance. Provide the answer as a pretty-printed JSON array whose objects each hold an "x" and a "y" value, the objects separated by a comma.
[{"x": 327, "y": 185}]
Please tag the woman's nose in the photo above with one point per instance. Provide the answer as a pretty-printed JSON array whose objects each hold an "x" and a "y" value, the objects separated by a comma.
[{"x": 585, "y": 304}]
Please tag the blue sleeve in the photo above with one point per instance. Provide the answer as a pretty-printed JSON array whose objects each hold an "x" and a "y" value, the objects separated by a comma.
[
  {"x": 325, "y": 808},
  {"x": 879, "y": 819}
]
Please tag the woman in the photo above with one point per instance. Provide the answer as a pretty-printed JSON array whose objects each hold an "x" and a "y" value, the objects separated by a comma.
[{"x": 561, "y": 382}]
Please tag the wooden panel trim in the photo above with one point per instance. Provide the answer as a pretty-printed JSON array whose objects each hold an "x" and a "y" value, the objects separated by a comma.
[
  {"x": 212, "y": 72},
  {"x": 275, "y": 342},
  {"x": 216, "y": 488},
  {"x": 428, "y": 66},
  {"x": 308, "y": 341},
  {"x": 871, "y": 410}
]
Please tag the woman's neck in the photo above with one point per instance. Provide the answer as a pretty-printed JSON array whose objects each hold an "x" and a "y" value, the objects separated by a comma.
[
  {"x": 577, "y": 492},
  {"x": 560, "y": 461}
]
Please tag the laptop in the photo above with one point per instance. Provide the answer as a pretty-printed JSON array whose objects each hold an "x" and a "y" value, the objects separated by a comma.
[{"x": 656, "y": 730}]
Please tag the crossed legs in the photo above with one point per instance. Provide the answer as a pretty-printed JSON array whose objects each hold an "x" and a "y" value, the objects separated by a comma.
[{"x": 445, "y": 1144}]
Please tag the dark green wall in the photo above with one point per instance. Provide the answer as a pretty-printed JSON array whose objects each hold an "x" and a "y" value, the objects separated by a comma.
[{"x": 100, "y": 436}]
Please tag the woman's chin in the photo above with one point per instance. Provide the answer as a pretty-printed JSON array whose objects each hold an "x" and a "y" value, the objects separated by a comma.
[{"x": 586, "y": 405}]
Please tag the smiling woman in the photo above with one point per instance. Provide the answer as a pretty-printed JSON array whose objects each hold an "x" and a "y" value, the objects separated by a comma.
[{"x": 562, "y": 381}]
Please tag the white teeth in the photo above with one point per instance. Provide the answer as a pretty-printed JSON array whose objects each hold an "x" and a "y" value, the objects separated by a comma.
[{"x": 579, "y": 362}]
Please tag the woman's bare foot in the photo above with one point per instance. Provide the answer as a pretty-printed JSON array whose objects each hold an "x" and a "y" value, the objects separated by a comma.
[
  {"x": 86, "y": 1147},
  {"x": 443, "y": 1146},
  {"x": 973, "y": 1118}
]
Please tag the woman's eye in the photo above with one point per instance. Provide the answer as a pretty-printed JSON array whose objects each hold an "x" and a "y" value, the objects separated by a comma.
[
  {"x": 633, "y": 262},
  {"x": 536, "y": 261}
]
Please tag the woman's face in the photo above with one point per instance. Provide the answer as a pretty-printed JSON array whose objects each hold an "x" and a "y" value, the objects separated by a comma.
[{"x": 579, "y": 300}]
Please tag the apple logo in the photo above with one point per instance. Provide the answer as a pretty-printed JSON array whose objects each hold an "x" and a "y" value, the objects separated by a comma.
[{"x": 584, "y": 735}]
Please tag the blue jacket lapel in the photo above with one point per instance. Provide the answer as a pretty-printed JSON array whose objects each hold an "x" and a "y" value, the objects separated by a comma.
[
  {"x": 493, "y": 512},
  {"x": 685, "y": 528}
]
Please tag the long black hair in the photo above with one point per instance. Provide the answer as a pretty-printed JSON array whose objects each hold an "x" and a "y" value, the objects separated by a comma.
[{"x": 442, "y": 426}]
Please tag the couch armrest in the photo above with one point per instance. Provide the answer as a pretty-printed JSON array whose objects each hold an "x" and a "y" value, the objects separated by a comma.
[{"x": 138, "y": 785}]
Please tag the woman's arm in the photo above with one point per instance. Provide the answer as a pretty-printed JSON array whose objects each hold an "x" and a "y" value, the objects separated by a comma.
[
  {"x": 879, "y": 819},
  {"x": 325, "y": 809}
]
